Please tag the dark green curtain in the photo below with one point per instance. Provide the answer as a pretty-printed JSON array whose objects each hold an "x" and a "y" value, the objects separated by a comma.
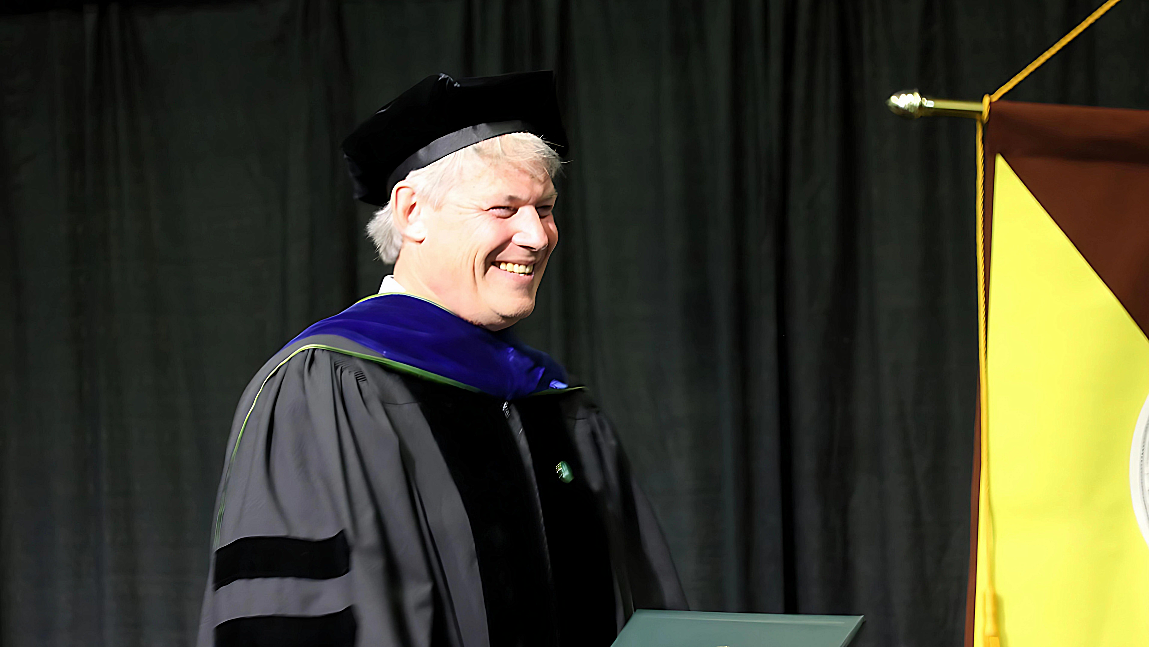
[{"x": 767, "y": 279}]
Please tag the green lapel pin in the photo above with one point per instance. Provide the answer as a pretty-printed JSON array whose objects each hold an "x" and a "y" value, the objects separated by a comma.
[{"x": 564, "y": 472}]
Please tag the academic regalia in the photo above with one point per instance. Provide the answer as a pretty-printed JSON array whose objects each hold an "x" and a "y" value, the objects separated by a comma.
[{"x": 398, "y": 476}]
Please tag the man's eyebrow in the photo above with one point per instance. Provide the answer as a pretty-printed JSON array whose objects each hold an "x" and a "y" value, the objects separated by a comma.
[{"x": 512, "y": 199}]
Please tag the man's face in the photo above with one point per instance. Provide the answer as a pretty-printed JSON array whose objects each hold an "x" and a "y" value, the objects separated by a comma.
[{"x": 487, "y": 246}]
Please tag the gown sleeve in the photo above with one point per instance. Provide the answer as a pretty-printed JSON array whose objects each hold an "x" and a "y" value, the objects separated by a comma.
[
  {"x": 647, "y": 578},
  {"x": 307, "y": 550}
]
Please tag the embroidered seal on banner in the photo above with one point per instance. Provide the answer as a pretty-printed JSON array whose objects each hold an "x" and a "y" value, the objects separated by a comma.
[{"x": 1139, "y": 471}]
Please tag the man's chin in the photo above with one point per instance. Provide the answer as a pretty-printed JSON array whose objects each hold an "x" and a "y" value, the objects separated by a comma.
[{"x": 514, "y": 311}]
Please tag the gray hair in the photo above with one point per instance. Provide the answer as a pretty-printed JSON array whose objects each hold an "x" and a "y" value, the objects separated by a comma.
[{"x": 433, "y": 181}]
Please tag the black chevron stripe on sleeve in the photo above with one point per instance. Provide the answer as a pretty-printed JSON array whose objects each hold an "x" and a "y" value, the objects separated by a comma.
[
  {"x": 331, "y": 630},
  {"x": 258, "y": 557}
]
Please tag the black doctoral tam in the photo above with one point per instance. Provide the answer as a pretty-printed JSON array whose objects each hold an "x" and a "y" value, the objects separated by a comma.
[{"x": 441, "y": 115}]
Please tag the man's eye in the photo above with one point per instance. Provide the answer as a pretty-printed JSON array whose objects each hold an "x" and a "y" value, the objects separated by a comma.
[
  {"x": 503, "y": 211},
  {"x": 545, "y": 210}
]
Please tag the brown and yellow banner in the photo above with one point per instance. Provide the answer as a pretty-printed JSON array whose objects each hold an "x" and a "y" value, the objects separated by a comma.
[{"x": 1062, "y": 540}]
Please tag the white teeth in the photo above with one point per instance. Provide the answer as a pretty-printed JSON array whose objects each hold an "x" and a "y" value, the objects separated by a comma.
[{"x": 516, "y": 268}]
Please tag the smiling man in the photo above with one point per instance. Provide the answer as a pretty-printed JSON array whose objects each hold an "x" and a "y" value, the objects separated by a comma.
[{"x": 407, "y": 472}]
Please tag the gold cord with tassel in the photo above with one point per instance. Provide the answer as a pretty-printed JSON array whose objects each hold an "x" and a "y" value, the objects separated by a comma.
[{"x": 991, "y": 635}]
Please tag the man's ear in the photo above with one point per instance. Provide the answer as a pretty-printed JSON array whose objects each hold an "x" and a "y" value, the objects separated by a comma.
[{"x": 407, "y": 213}]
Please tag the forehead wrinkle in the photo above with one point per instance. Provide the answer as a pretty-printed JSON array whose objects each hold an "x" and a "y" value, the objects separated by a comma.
[{"x": 490, "y": 180}]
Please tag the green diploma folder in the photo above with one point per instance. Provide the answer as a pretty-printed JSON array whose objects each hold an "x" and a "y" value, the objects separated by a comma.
[{"x": 703, "y": 629}]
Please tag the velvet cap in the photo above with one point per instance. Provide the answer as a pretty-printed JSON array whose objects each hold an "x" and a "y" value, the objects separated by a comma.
[{"x": 441, "y": 115}]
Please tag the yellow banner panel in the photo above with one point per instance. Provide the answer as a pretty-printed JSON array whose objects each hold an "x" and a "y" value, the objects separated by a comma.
[{"x": 1068, "y": 373}]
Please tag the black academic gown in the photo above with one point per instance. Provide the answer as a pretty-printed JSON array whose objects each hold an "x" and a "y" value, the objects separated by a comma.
[{"x": 364, "y": 505}]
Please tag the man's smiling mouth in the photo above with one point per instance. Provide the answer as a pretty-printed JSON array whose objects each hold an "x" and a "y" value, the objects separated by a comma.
[{"x": 515, "y": 268}]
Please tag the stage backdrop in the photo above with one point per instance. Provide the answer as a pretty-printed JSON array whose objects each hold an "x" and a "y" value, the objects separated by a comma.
[{"x": 767, "y": 279}]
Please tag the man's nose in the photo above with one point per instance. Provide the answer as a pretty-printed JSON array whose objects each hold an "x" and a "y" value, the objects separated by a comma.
[{"x": 531, "y": 233}]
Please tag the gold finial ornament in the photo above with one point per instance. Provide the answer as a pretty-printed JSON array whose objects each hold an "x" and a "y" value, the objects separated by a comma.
[
  {"x": 905, "y": 103},
  {"x": 911, "y": 104}
]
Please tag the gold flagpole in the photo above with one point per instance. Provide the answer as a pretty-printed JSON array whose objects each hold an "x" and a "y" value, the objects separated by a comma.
[{"x": 911, "y": 104}]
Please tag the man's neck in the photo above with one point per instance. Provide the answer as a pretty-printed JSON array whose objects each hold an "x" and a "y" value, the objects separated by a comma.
[
  {"x": 406, "y": 276},
  {"x": 410, "y": 278}
]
